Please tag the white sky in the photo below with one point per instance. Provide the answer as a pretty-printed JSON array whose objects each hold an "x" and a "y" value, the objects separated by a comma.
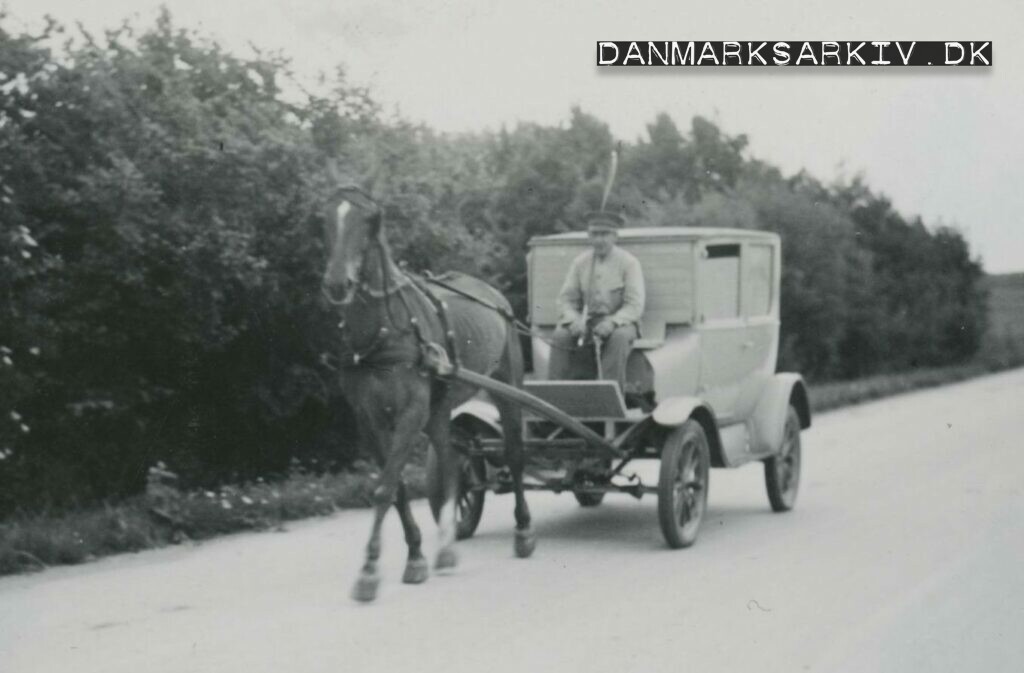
[{"x": 946, "y": 144}]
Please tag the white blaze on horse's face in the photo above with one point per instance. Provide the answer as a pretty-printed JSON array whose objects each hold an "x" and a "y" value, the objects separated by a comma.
[
  {"x": 351, "y": 261},
  {"x": 345, "y": 254}
]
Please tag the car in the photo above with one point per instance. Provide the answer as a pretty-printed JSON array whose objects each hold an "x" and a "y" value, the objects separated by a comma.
[{"x": 704, "y": 363}]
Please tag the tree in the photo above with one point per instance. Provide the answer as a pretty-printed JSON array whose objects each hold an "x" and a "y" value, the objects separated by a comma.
[{"x": 172, "y": 193}]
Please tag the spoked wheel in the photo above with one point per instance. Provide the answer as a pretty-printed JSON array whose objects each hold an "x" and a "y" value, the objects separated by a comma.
[
  {"x": 469, "y": 499},
  {"x": 782, "y": 471},
  {"x": 683, "y": 484}
]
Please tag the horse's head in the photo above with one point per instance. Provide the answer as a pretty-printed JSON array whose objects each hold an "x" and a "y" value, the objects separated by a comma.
[{"x": 352, "y": 224}]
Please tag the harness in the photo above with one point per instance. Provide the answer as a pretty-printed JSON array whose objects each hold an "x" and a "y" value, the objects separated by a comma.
[
  {"x": 432, "y": 356},
  {"x": 518, "y": 325},
  {"x": 430, "y": 353}
]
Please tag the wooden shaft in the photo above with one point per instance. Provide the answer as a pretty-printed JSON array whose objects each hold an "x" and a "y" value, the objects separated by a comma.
[{"x": 545, "y": 409}]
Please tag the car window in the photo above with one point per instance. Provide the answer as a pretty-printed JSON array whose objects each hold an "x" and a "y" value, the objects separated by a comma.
[
  {"x": 720, "y": 282},
  {"x": 757, "y": 280}
]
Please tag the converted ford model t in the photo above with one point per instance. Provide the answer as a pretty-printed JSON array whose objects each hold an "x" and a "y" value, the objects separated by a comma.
[{"x": 703, "y": 371}]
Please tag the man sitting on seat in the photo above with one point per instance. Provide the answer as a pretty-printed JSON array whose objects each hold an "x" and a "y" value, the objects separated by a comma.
[{"x": 602, "y": 298}]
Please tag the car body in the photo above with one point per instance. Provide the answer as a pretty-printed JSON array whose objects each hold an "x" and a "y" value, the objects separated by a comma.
[{"x": 706, "y": 356}]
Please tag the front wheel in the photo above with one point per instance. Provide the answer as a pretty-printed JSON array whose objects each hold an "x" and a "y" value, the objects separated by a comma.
[
  {"x": 782, "y": 471},
  {"x": 683, "y": 483},
  {"x": 469, "y": 498}
]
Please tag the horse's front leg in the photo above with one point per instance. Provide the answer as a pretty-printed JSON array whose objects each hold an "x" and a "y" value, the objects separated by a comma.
[
  {"x": 416, "y": 569},
  {"x": 400, "y": 443}
]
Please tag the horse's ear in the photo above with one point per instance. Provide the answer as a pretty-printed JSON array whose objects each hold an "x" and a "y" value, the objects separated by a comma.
[
  {"x": 375, "y": 221},
  {"x": 333, "y": 172}
]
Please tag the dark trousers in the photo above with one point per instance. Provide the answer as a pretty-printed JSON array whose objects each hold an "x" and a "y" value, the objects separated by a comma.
[{"x": 570, "y": 361}]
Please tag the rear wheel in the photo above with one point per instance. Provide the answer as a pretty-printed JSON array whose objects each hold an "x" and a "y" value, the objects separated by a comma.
[
  {"x": 469, "y": 498},
  {"x": 782, "y": 471},
  {"x": 683, "y": 483}
]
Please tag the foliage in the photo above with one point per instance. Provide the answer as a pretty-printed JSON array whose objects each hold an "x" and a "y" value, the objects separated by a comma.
[{"x": 160, "y": 211}]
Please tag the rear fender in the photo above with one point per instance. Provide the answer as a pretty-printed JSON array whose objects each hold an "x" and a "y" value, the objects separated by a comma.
[
  {"x": 674, "y": 411},
  {"x": 769, "y": 418}
]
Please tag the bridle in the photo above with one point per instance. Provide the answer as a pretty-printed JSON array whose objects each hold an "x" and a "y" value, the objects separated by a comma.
[
  {"x": 366, "y": 294},
  {"x": 362, "y": 284}
]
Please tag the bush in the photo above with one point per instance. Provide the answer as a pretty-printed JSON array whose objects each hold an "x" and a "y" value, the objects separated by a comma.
[{"x": 161, "y": 256}]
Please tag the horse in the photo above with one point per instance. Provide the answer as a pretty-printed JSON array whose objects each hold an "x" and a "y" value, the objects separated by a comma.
[{"x": 390, "y": 321}]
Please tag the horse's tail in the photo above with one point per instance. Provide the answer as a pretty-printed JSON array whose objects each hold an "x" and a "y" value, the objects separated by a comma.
[{"x": 511, "y": 413}]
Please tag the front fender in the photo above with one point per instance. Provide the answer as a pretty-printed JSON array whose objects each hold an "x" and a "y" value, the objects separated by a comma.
[
  {"x": 480, "y": 410},
  {"x": 675, "y": 411},
  {"x": 769, "y": 419}
]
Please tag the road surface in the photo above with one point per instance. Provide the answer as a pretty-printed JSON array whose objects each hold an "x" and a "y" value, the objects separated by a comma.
[{"x": 905, "y": 553}]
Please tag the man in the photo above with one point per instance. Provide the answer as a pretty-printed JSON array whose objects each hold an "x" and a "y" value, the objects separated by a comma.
[{"x": 602, "y": 298}]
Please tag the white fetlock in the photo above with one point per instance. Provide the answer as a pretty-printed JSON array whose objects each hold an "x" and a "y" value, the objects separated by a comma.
[
  {"x": 446, "y": 559},
  {"x": 446, "y": 525}
]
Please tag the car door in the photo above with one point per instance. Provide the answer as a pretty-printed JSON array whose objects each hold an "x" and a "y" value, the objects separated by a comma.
[
  {"x": 760, "y": 312},
  {"x": 721, "y": 327}
]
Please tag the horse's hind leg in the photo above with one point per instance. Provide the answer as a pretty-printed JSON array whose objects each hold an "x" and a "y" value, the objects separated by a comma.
[
  {"x": 511, "y": 372},
  {"x": 439, "y": 431},
  {"x": 416, "y": 570},
  {"x": 511, "y": 423}
]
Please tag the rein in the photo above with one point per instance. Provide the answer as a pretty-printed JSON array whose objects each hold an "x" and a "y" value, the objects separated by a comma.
[
  {"x": 518, "y": 325},
  {"x": 429, "y": 350}
]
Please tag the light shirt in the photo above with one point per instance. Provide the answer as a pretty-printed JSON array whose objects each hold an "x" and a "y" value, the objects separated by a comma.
[{"x": 615, "y": 289}]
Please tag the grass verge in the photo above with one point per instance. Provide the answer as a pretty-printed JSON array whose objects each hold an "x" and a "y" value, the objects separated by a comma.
[
  {"x": 167, "y": 515},
  {"x": 834, "y": 395}
]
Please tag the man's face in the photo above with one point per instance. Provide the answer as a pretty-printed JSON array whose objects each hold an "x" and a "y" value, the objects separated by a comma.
[{"x": 603, "y": 241}]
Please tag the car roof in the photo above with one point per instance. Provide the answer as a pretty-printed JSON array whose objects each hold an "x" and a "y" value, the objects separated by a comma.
[{"x": 638, "y": 234}]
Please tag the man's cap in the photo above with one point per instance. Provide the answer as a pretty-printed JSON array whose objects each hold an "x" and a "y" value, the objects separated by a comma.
[{"x": 602, "y": 221}]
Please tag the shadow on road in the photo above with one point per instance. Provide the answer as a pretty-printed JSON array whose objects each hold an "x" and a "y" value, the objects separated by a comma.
[{"x": 631, "y": 523}]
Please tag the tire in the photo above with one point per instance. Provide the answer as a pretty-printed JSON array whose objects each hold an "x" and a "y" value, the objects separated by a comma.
[
  {"x": 683, "y": 484},
  {"x": 472, "y": 471},
  {"x": 589, "y": 499},
  {"x": 782, "y": 471}
]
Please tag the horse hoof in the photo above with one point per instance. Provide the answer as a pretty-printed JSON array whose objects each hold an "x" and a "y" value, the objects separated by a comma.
[
  {"x": 446, "y": 559},
  {"x": 526, "y": 542},
  {"x": 365, "y": 589},
  {"x": 416, "y": 571}
]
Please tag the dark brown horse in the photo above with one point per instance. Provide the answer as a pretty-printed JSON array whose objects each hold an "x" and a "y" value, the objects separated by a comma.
[{"x": 387, "y": 323}]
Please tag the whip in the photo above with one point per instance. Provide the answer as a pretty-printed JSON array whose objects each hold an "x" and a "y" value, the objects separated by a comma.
[{"x": 613, "y": 166}]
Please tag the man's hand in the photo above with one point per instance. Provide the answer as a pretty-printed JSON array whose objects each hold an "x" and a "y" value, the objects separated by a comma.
[
  {"x": 604, "y": 328},
  {"x": 578, "y": 327}
]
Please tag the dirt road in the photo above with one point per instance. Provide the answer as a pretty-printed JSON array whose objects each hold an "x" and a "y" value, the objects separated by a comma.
[{"x": 904, "y": 554}]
